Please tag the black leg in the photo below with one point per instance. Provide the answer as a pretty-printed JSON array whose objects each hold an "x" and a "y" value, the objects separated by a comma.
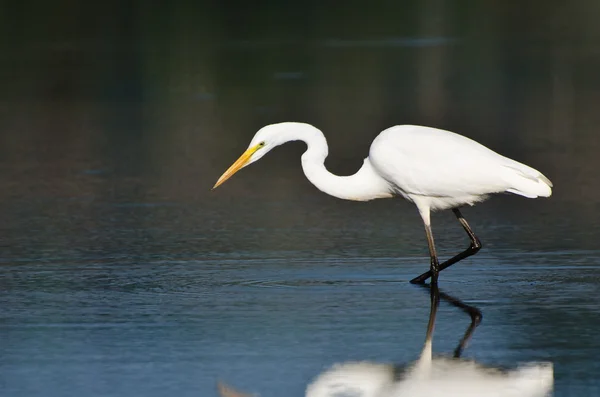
[
  {"x": 472, "y": 311},
  {"x": 434, "y": 266},
  {"x": 473, "y": 248}
]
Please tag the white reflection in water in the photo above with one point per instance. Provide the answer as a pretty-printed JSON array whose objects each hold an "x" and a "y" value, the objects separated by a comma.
[
  {"x": 441, "y": 376},
  {"x": 429, "y": 376}
]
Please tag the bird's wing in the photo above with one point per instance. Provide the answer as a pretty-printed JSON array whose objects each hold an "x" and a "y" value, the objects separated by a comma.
[{"x": 431, "y": 162}]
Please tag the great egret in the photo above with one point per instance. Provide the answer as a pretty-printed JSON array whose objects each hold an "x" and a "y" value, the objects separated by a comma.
[{"x": 433, "y": 168}]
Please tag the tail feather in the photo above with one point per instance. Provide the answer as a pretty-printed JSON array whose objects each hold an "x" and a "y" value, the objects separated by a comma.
[
  {"x": 528, "y": 182},
  {"x": 546, "y": 180}
]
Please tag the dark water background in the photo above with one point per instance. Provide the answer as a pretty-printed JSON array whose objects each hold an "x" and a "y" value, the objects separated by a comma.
[{"x": 121, "y": 274}]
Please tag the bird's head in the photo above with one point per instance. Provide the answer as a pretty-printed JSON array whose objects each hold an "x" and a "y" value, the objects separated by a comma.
[{"x": 265, "y": 140}]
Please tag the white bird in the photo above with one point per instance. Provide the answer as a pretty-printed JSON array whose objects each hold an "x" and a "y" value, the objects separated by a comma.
[{"x": 432, "y": 168}]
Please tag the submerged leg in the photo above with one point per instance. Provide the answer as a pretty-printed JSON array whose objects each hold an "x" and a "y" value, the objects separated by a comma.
[{"x": 473, "y": 248}]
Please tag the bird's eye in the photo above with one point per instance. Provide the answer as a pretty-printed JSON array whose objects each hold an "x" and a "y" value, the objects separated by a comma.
[{"x": 261, "y": 144}]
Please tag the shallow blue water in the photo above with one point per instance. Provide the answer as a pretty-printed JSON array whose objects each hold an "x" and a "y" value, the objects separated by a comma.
[{"x": 170, "y": 316}]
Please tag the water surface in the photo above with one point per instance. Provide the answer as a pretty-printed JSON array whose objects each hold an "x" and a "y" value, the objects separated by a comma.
[{"x": 121, "y": 274}]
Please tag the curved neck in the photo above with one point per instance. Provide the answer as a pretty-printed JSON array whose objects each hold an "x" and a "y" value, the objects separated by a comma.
[{"x": 365, "y": 185}]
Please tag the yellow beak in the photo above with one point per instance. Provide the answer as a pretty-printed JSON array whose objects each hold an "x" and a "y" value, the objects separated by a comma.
[{"x": 235, "y": 167}]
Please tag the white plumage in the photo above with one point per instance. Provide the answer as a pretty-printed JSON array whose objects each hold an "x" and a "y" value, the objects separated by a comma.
[
  {"x": 433, "y": 168},
  {"x": 447, "y": 169}
]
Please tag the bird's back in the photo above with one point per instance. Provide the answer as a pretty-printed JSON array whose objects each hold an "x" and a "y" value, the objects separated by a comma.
[{"x": 430, "y": 162}]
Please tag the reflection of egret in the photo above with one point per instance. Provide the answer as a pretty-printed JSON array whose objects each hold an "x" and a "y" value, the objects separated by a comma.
[
  {"x": 431, "y": 376},
  {"x": 432, "y": 168}
]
